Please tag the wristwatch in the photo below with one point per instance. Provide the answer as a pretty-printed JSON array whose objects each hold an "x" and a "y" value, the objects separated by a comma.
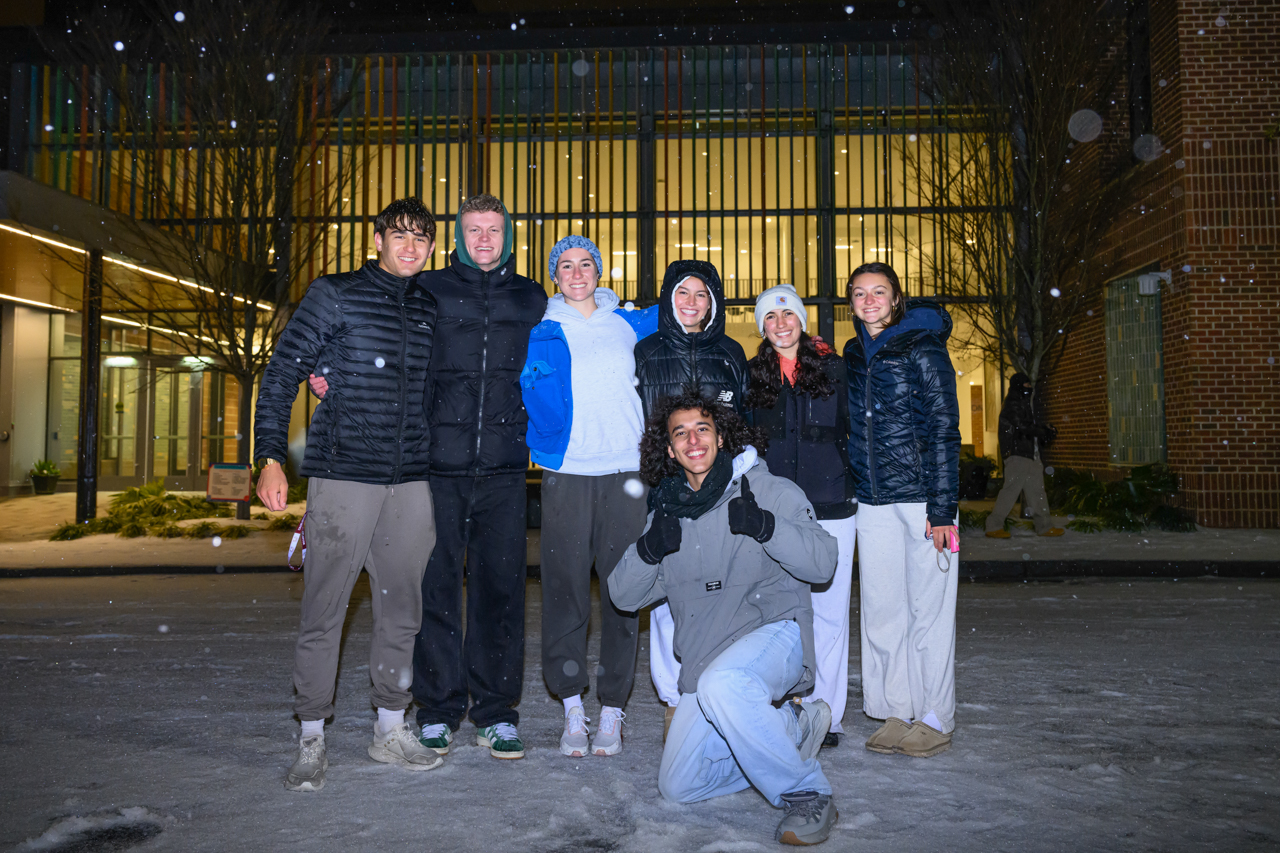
[{"x": 266, "y": 460}]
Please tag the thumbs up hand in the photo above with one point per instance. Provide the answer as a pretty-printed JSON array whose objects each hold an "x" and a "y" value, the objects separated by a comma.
[
  {"x": 662, "y": 538},
  {"x": 746, "y": 518}
]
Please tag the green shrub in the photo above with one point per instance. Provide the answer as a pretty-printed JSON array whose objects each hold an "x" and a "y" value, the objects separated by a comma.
[
  {"x": 201, "y": 530},
  {"x": 46, "y": 468},
  {"x": 973, "y": 519},
  {"x": 1145, "y": 497},
  {"x": 1084, "y": 525},
  {"x": 235, "y": 531},
  {"x": 69, "y": 531},
  {"x": 166, "y": 531},
  {"x": 288, "y": 521}
]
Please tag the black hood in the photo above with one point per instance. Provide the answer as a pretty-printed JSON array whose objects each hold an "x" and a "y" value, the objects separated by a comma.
[{"x": 668, "y": 327}]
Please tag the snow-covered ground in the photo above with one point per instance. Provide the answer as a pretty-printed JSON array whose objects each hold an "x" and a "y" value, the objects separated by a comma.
[{"x": 1093, "y": 716}]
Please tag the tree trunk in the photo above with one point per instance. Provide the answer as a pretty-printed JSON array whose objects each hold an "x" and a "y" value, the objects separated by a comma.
[{"x": 244, "y": 428}]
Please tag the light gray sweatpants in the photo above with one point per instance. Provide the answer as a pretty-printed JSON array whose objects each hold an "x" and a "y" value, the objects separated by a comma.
[
  {"x": 908, "y": 616},
  {"x": 389, "y": 531},
  {"x": 1025, "y": 476}
]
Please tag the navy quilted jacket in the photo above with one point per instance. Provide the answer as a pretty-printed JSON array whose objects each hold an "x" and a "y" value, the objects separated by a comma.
[
  {"x": 904, "y": 441},
  {"x": 370, "y": 334},
  {"x": 478, "y": 420}
]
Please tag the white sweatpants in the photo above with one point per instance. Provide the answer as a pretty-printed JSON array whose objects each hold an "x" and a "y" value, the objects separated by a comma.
[
  {"x": 831, "y": 624},
  {"x": 664, "y": 669},
  {"x": 908, "y": 616},
  {"x": 830, "y": 634}
]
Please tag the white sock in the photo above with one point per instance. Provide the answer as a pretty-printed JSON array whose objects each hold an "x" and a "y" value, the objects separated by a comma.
[
  {"x": 931, "y": 720},
  {"x": 388, "y": 720},
  {"x": 571, "y": 703},
  {"x": 311, "y": 728}
]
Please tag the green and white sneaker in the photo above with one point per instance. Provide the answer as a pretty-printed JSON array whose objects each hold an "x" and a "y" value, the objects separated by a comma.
[
  {"x": 437, "y": 736},
  {"x": 502, "y": 740}
]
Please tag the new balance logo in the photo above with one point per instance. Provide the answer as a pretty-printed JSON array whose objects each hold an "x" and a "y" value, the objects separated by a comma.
[{"x": 725, "y": 397}]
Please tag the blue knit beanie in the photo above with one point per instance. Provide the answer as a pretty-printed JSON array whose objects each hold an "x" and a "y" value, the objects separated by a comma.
[{"x": 573, "y": 241}]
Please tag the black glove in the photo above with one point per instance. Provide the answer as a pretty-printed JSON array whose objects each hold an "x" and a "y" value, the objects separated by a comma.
[
  {"x": 746, "y": 518},
  {"x": 662, "y": 538}
]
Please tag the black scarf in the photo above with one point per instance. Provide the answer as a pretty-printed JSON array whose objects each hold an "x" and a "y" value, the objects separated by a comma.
[{"x": 677, "y": 499}]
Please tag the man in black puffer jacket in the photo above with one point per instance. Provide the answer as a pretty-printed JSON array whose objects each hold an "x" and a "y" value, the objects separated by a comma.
[
  {"x": 478, "y": 464},
  {"x": 1021, "y": 437},
  {"x": 368, "y": 502}
]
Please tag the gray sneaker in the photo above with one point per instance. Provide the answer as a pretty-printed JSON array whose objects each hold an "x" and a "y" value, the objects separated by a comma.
[
  {"x": 809, "y": 818},
  {"x": 307, "y": 773},
  {"x": 608, "y": 739},
  {"x": 814, "y": 719},
  {"x": 400, "y": 747},
  {"x": 573, "y": 741}
]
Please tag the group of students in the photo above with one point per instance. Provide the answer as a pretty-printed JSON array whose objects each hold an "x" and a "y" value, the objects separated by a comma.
[{"x": 722, "y": 492}]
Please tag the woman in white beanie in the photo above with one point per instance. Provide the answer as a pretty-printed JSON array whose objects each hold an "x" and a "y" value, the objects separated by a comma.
[{"x": 797, "y": 396}]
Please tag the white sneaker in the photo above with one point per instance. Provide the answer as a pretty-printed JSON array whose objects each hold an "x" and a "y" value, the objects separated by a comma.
[
  {"x": 400, "y": 747},
  {"x": 307, "y": 773},
  {"x": 608, "y": 739},
  {"x": 574, "y": 740}
]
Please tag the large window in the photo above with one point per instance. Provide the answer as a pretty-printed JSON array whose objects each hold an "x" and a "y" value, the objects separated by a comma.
[
  {"x": 1135, "y": 375},
  {"x": 750, "y": 157}
]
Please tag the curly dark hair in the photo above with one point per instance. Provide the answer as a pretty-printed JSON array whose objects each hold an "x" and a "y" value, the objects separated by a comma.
[
  {"x": 766, "y": 375},
  {"x": 655, "y": 464}
]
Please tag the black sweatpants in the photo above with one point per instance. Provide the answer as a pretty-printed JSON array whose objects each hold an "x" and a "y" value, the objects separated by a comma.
[
  {"x": 586, "y": 520},
  {"x": 481, "y": 519}
]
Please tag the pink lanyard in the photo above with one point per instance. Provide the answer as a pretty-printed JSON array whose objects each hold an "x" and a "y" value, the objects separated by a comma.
[{"x": 299, "y": 536}]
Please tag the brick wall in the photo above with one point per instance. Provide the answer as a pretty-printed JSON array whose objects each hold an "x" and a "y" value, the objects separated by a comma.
[{"x": 1207, "y": 211}]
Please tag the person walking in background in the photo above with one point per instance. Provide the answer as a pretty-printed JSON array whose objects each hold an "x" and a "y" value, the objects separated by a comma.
[
  {"x": 734, "y": 550},
  {"x": 585, "y": 422},
  {"x": 478, "y": 461},
  {"x": 690, "y": 351},
  {"x": 798, "y": 399},
  {"x": 370, "y": 332},
  {"x": 904, "y": 447},
  {"x": 1021, "y": 437}
]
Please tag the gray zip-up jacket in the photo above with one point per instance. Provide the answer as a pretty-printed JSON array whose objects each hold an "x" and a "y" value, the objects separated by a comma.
[{"x": 722, "y": 586}]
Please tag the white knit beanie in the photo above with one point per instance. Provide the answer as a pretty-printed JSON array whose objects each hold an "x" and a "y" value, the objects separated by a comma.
[{"x": 781, "y": 296}]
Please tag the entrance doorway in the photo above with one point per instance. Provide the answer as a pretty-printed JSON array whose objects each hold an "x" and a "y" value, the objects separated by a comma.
[{"x": 161, "y": 418}]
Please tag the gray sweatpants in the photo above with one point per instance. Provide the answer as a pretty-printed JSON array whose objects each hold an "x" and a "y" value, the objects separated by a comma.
[
  {"x": 1025, "y": 476},
  {"x": 389, "y": 531},
  {"x": 587, "y": 520}
]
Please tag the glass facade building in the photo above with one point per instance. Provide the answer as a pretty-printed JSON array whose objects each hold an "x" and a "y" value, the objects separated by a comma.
[{"x": 778, "y": 163}]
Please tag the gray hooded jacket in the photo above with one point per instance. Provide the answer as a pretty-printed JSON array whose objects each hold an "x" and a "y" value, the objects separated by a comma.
[{"x": 722, "y": 586}]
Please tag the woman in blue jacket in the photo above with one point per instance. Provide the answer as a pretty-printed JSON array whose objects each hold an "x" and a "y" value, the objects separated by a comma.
[
  {"x": 585, "y": 422},
  {"x": 904, "y": 447}
]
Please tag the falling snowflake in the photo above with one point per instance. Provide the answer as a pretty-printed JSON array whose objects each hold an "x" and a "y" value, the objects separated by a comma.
[{"x": 379, "y": 362}]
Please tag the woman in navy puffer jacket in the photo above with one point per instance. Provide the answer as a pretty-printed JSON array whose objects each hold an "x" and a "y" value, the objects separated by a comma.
[{"x": 904, "y": 447}]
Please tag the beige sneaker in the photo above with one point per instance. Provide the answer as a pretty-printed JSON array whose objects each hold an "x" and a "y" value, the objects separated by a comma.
[
  {"x": 1053, "y": 531},
  {"x": 401, "y": 748},
  {"x": 923, "y": 741},
  {"x": 886, "y": 738}
]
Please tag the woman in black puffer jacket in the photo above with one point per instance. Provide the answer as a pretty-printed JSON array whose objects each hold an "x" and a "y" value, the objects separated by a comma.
[
  {"x": 691, "y": 347},
  {"x": 690, "y": 350},
  {"x": 799, "y": 399},
  {"x": 905, "y": 450}
]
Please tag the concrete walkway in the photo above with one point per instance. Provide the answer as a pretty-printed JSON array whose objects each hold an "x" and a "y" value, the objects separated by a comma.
[{"x": 27, "y": 522}]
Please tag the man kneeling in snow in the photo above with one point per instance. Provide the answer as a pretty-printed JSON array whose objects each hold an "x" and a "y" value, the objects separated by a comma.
[{"x": 733, "y": 549}]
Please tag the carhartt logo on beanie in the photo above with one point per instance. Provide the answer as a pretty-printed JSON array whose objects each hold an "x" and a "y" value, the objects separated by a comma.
[{"x": 781, "y": 296}]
